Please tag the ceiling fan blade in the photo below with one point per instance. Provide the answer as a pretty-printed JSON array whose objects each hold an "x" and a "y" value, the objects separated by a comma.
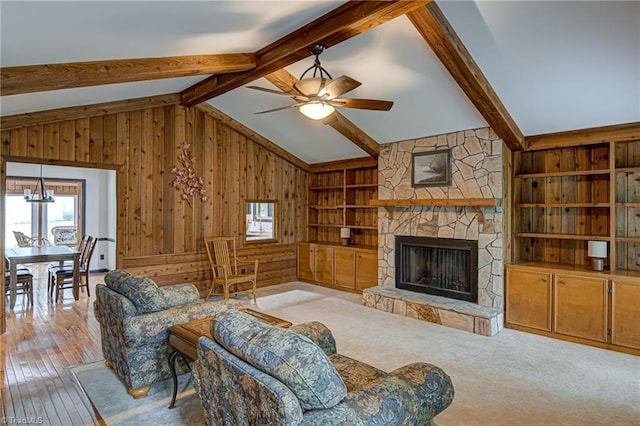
[
  {"x": 373, "y": 104},
  {"x": 277, "y": 92},
  {"x": 281, "y": 108},
  {"x": 340, "y": 86}
]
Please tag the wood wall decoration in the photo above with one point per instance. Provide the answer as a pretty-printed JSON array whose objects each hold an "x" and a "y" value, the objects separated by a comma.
[{"x": 185, "y": 178}]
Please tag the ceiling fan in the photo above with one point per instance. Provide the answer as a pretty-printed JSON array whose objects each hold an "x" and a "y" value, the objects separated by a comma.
[{"x": 317, "y": 97}]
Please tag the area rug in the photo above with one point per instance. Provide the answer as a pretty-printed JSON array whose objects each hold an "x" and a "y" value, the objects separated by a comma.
[{"x": 116, "y": 407}]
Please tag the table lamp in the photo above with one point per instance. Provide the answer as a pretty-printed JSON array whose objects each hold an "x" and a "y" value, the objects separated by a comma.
[
  {"x": 598, "y": 253},
  {"x": 345, "y": 234}
]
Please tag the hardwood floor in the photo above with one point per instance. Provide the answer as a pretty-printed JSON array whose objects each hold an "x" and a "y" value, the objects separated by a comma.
[{"x": 41, "y": 344}]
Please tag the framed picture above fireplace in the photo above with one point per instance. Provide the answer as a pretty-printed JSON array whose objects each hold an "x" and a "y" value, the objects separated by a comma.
[{"x": 431, "y": 168}]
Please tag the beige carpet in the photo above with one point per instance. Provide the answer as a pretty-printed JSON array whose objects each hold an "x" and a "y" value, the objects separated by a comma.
[{"x": 512, "y": 378}]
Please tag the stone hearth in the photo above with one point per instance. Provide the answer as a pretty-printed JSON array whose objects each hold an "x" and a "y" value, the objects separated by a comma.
[{"x": 439, "y": 310}]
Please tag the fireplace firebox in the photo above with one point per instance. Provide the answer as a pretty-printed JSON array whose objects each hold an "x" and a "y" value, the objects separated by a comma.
[{"x": 439, "y": 266}]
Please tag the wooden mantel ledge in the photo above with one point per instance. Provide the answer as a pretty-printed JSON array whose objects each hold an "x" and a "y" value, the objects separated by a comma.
[{"x": 455, "y": 202}]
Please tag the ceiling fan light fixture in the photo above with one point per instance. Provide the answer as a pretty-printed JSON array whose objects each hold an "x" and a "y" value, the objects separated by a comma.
[
  {"x": 316, "y": 110},
  {"x": 313, "y": 86}
]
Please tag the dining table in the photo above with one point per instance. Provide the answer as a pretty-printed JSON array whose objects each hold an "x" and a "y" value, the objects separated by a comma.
[{"x": 22, "y": 255}]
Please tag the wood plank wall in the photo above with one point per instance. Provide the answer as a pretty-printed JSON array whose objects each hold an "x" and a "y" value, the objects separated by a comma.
[{"x": 160, "y": 235}]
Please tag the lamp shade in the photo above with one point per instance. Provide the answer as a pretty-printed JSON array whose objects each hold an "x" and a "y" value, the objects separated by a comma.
[
  {"x": 316, "y": 110},
  {"x": 345, "y": 232},
  {"x": 597, "y": 249}
]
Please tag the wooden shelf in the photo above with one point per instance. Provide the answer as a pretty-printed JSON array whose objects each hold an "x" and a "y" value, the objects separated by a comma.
[
  {"x": 437, "y": 202},
  {"x": 627, "y": 204},
  {"x": 560, "y": 174},
  {"x": 561, "y": 236},
  {"x": 339, "y": 196},
  {"x": 628, "y": 170},
  {"x": 326, "y": 188},
  {"x": 325, "y": 207},
  {"x": 563, "y": 205},
  {"x": 628, "y": 239},
  {"x": 362, "y": 185},
  {"x": 474, "y": 202},
  {"x": 338, "y": 207}
]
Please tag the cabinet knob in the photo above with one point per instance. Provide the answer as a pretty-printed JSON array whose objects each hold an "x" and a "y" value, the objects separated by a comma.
[
  {"x": 562, "y": 282},
  {"x": 544, "y": 280}
]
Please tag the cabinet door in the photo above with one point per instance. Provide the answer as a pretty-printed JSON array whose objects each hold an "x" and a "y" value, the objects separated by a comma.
[
  {"x": 528, "y": 299},
  {"x": 625, "y": 314},
  {"x": 345, "y": 264},
  {"x": 581, "y": 307},
  {"x": 305, "y": 261},
  {"x": 324, "y": 264},
  {"x": 366, "y": 270}
]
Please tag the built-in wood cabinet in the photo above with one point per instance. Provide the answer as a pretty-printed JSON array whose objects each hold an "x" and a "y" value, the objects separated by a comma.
[
  {"x": 566, "y": 194},
  {"x": 625, "y": 313},
  {"x": 529, "y": 299},
  {"x": 352, "y": 268},
  {"x": 339, "y": 197},
  {"x": 572, "y": 303},
  {"x": 366, "y": 269},
  {"x": 565, "y": 197},
  {"x": 345, "y": 267},
  {"x": 315, "y": 263},
  {"x": 580, "y": 307}
]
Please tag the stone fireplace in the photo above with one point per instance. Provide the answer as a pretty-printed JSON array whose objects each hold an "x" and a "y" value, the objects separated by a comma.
[
  {"x": 476, "y": 167},
  {"x": 440, "y": 266}
]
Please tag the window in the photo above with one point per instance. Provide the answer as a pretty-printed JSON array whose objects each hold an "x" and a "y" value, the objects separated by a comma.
[
  {"x": 37, "y": 219},
  {"x": 261, "y": 220}
]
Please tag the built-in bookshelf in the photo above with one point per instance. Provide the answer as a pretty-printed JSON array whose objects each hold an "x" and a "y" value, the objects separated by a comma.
[
  {"x": 341, "y": 199},
  {"x": 565, "y": 197}
]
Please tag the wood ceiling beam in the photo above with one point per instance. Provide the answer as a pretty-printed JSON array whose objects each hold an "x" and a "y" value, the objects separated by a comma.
[
  {"x": 69, "y": 113},
  {"x": 40, "y": 78},
  {"x": 284, "y": 81},
  {"x": 445, "y": 43},
  {"x": 614, "y": 133},
  {"x": 342, "y": 23}
]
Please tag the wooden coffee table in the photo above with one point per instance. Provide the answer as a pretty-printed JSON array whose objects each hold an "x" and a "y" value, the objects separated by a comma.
[{"x": 183, "y": 340}]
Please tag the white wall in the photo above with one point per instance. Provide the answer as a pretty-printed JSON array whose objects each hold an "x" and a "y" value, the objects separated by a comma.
[{"x": 100, "y": 204}]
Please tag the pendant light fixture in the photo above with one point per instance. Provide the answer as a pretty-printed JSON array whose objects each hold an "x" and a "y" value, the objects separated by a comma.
[{"x": 40, "y": 193}]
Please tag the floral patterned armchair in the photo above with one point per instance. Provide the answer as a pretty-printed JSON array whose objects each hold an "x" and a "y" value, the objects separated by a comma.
[
  {"x": 253, "y": 374},
  {"x": 135, "y": 315},
  {"x": 65, "y": 236}
]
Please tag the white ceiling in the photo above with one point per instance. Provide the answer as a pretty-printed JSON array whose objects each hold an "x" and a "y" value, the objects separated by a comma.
[{"x": 556, "y": 65}]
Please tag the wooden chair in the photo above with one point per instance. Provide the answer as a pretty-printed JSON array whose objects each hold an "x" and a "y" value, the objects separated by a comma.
[
  {"x": 63, "y": 277},
  {"x": 24, "y": 240},
  {"x": 224, "y": 268},
  {"x": 55, "y": 266},
  {"x": 24, "y": 283}
]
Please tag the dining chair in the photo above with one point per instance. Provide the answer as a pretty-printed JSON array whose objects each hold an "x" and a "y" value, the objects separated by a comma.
[
  {"x": 63, "y": 276},
  {"x": 226, "y": 270},
  {"x": 24, "y": 282},
  {"x": 55, "y": 266}
]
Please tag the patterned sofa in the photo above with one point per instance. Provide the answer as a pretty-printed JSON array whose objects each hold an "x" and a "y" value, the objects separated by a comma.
[
  {"x": 135, "y": 315},
  {"x": 256, "y": 374}
]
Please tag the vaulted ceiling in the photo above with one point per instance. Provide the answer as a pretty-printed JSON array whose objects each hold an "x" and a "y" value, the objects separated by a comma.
[{"x": 525, "y": 67}]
